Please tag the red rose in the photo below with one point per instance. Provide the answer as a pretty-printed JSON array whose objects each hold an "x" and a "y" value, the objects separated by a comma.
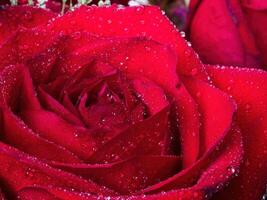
[
  {"x": 111, "y": 103},
  {"x": 230, "y": 32}
]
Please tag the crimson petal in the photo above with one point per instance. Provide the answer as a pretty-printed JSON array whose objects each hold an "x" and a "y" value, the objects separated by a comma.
[
  {"x": 18, "y": 85},
  {"x": 216, "y": 109},
  {"x": 79, "y": 141},
  {"x": 248, "y": 88},
  {"x": 224, "y": 157},
  {"x": 12, "y": 17},
  {"x": 151, "y": 94},
  {"x": 17, "y": 134},
  {"x": 20, "y": 170},
  {"x": 226, "y": 30},
  {"x": 255, "y": 12},
  {"x": 132, "y": 22},
  {"x": 34, "y": 193},
  {"x": 38, "y": 49},
  {"x": 188, "y": 117},
  {"x": 136, "y": 140},
  {"x": 130, "y": 175},
  {"x": 52, "y": 104}
]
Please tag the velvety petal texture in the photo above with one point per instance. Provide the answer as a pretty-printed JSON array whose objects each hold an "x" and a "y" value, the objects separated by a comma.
[
  {"x": 113, "y": 103},
  {"x": 229, "y": 32}
]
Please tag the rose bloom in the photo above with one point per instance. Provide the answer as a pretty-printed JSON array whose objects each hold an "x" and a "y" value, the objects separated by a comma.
[
  {"x": 230, "y": 32},
  {"x": 112, "y": 103}
]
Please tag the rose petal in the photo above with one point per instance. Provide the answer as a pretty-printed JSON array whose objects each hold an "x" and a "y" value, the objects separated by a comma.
[
  {"x": 52, "y": 104},
  {"x": 185, "y": 121},
  {"x": 55, "y": 193},
  {"x": 248, "y": 88},
  {"x": 25, "y": 46},
  {"x": 103, "y": 114},
  {"x": 225, "y": 157},
  {"x": 66, "y": 194},
  {"x": 220, "y": 173},
  {"x": 69, "y": 105},
  {"x": 132, "y": 22},
  {"x": 17, "y": 84},
  {"x": 19, "y": 170},
  {"x": 255, "y": 4},
  {"x": 158, "y": 61},
  {"x": 17, "y": 134},
  {"x": 9, "y": 87},
  {"x": 81, "y": 142},
  {"x": 130, "y": 175},
  {"x": 12, "y": 17},
  {"x": 34, "y": 193},
  {"x": 226, "y": 30},
  {"x": 28, "y": 99},
  {"x": 143, "y": 138},
  {"x": 216, "y": 110},
  {"x": 151, "y": 94},
  {"x": 255, "y": 12}
]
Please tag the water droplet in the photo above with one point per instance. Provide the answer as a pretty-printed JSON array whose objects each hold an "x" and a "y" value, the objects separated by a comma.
[
  {"x": 28, "y": 15},
  {"x": 231, "y": 169},
  {"x": 138, "y": 9},
  {"x": 194, "y": 71},
  {"x": 29, "y": 172},
  {"x": 182, "y": 34},
  {"x": 147, "y": 48},
  {"x": 229, "y": 88},
  {"x": 24, "y": 47}
]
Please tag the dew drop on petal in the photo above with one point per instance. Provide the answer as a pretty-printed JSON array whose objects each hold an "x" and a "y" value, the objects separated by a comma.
[
  {"x": 189, "y": 44},
  {"x": 182, "y": 34},
  {"x": 28, "y": 15},
  {"x": 231, "y": 169},
  {"x": 194, "y": 71},
  {"x": 29, "y": 172}
]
